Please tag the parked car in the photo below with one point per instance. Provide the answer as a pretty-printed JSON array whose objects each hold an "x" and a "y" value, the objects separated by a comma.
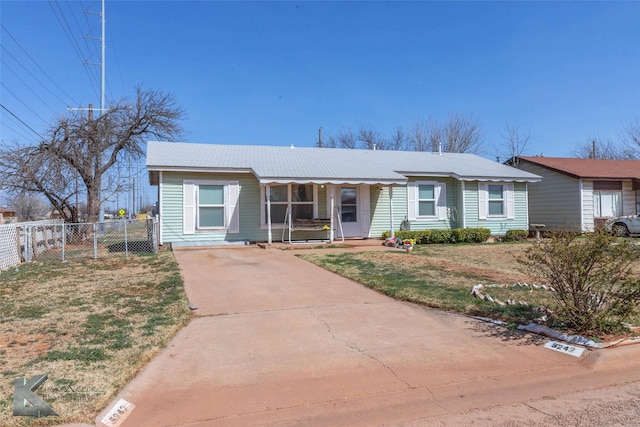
[{"x": 623, "y": 225}]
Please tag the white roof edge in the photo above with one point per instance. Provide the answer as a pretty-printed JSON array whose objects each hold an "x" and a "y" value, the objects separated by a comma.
[
  {"x": 338, "y": 181},
  {"x": 501, "y": 178},
  {"x": 152, "y": 168}
]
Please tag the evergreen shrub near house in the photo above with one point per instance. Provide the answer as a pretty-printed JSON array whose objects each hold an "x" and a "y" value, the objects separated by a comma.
[
  {"x": 458, "y": 235},
  {"x": 516, "y": 235}
]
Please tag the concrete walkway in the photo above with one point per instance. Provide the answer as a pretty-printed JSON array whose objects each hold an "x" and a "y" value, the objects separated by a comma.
[{"x": 277, "y": 341}]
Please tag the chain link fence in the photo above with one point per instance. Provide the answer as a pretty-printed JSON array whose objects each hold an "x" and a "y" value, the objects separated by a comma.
[{"x": 56, "y": 242}]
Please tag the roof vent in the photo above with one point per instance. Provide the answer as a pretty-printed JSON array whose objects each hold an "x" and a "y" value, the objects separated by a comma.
[{"x": 292, "y": 147}]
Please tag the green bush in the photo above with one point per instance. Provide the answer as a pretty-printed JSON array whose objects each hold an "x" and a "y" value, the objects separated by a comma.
[
  {"x": 458, "y": 235},
  {"x": 516, "y": 235}
]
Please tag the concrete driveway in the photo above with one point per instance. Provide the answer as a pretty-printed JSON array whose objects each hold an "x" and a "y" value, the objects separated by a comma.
[{"x": 278, "y": 341}]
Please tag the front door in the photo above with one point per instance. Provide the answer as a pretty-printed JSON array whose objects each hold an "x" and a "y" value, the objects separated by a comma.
[{"x": 349, "y": 211}]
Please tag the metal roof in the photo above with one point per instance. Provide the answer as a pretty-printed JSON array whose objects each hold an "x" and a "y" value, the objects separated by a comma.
[{"x": 279, "y": 164}]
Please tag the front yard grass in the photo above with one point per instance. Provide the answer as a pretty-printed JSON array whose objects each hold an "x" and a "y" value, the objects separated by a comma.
[
  {"x": 90, "y": 325},
  {"x": 442, "y": 276}
]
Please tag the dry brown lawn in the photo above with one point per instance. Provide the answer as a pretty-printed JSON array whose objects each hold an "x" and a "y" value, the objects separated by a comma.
[{"x": 90, "y": 326}]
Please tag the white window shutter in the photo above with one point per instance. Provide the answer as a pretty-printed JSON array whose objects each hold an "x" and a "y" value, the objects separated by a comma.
[
  {"x": 412, "y": 200},
  {"x": 234, "y": 207},
  {"x": 441, "y": 199},
  {"x": 482, "y": 200},
  {"x": 511, "y": 214},
  {"x": 188, "y": 207}
]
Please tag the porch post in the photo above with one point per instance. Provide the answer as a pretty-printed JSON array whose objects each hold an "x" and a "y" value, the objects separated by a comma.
[
  {"x": 268, "y": 195},
  {"x": 391, "y": 209},
  {"x": 331, "y": 190}
]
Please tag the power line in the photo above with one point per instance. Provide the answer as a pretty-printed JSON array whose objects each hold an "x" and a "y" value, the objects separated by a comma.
[
  {"x": 39, "y": 68},
  {"x": 20, "y": 120},
  {"x": 16, "y": 131},
  {"x": 24, "y": 103},
  {"x": 28, "y": 87},
  {"x": 74, "y": 44}
]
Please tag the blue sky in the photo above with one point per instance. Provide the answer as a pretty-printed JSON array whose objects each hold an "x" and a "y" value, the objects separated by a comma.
[{"x": 274, "y": 72}]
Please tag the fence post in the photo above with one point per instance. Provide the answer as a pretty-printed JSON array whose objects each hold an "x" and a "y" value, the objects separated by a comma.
[
  {"x": 34, "y": 242},
  {"x": 95, "y": 242},
  {"x": 27, "y": 243},
  {"x": 126, "y": 243},
  {"x": 18, "y": 237},
  {"x": 154, "y": 238},
  {"x": 64, "y": 240}
]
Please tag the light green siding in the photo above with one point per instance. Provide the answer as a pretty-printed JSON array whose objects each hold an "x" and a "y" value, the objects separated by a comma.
[
  {"x": 171, "y": 210},
  {"x": 461, "y": 200},
  {"x": 380, "y": 209},
  {"x": 497, "y": 226}
]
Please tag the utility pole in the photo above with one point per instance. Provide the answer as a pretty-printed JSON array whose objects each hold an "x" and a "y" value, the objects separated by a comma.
[{"x": 102, "y": 95}]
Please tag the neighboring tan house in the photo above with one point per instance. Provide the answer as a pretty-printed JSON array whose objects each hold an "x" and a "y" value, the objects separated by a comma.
[
  {"x": 580, "y": 194},
  {"x": 7, "y": 216},
  {"x": 210, "y": 193}
]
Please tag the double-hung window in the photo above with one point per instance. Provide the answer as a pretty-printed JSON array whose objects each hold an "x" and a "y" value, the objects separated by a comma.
[
  {"x": 211, "y": 210},
  {"x": 427, "y": 200},
  {"x": 496, "y": 200},
  {"x": 210, "y": 206}
]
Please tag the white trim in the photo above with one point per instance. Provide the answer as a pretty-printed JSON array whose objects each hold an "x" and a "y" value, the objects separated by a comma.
[
  {"x": 412, "y": 197},
  {"x": 439, "y": 199},
  {"x": 365, "y": 210},
  {"x": 464, "y": 205},
  {"x": 391, "y": 210},
  {"x": 188, "y": 207},
  {"x": 160, "y": 206},
  {"x": 234, "y": 207},
  {"x": 582, "y": 227},
  {"x": 508, "y": 201},
  {"x": 526, "y": 202}
]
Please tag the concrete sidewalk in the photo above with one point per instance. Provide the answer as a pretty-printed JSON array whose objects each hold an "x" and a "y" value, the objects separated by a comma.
[{"x": 278, "y": 341}]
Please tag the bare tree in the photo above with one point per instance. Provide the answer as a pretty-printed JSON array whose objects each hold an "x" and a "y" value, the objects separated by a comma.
[
  {"x": 26, "y": 170},
  {"x": 346, "y": 138},
  {"x": 419, "y": 136},
  {"x": 29, "y": 207},
  {"x": 459, "y": 134},
  {"x": 462, "y": 134},
  {"x": 599, "y": 148},
  {"x": 515, "y": 142},
  {"x": 398, "y": 140},
  {"x": 87, "y": 147},
  {"x": 630, "y": 137},
  {"x": 371, "y": 139}
]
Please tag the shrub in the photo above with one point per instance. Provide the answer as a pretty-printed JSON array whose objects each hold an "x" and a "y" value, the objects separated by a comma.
[
  {"x": 471, "y": 235},
  {"x": 458, "y": 235},
  {"x": 516, "y": 235},
  {"x": 595, "y": 291}
]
